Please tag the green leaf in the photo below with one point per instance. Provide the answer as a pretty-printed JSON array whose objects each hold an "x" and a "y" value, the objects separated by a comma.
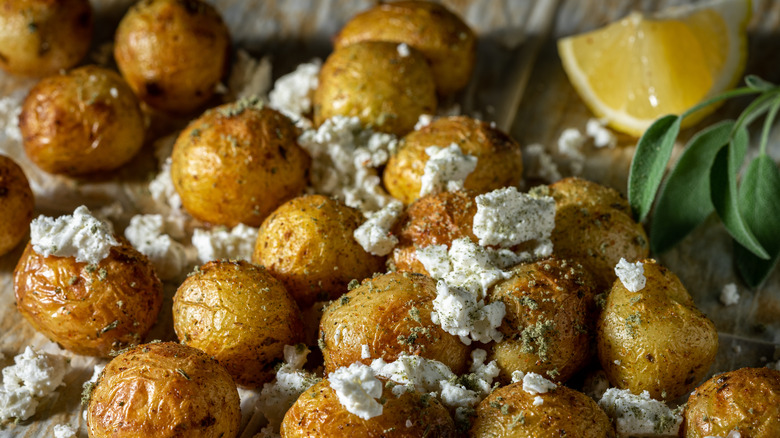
[
  {"x": 684, "y": 201},
  {"x": 723, "y": 192},
  {"x": 759, "y": 203},
  {"x": 758, "y": 84},
  {"x": 647, "y": 167}
]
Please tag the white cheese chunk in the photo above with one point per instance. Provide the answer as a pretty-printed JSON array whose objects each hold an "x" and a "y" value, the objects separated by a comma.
[
  {"x": 64, "y": 431},
  {"x": 639, "y": 415},
  {"x": 460, "y": 313},
  {"x": 632, "y": 275},
  {"x": 534, "y": 383},
  {"x": 220, "y": 243},
  {"x": 79, "y": 235},
  {"x": 570, "y": 145},
  {"x": 403, "y": 50},
  {"x": 539, "y": 164},
  {"x": 506, "y": 217},
  {"x": 435, "y": 260},
  {"x": 374, "y": 234},
  {"x": 447, "y": 168},
  {"x": 249, "y": 77},
  {"x": 10, "y": 108},
  {"x": 729, "y": 295},
  {"x": 357, "y": 389},
  {"x": 291, "y": 381},
  {"x": 33, "y": 376},
  {"x": 365, "y": 351},
  {"x": 292, "y": 93},
  {"x": 602, "y": 137},
  {"x": 147, "y": 234},
  {"x": 423, "y": 121},
  {"x": 538, "y": 401}
]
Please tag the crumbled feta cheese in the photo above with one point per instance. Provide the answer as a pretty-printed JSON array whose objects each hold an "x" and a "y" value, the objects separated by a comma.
[
  {"x": 602, "y": 137},
  {"x": 219, "y": 243},
  {"x": 639, "y": 414},
  {"x": 460, "y": 313},
  {"x": 729, "y": 295},
  {"x": 517, "y": 376},
  {"x": 538, "y": 401},
  {"x": 409, "y": 423},
  {"x": 632, "y": 275},
  {"x": 79, "y": 235},
  {"x": 435, "y": 260},
  {"x": 570, "y": 146},
  {"x": 249, "y": 77},
  {"x": 365, "y": 351},
  {"x": 374, "y": 234},
  {"x": 506, "y": 217},
  {"x": 291, "y": 381},
  {"x": 774, "y": 365},
  {"x": 446, "y": 168},
  {"x": 403, "y": 50},
  {"x": 536, "y": 384},
  {"x": 292, "y": 93},
  {"x": 161, "y": 187},
  {"x": 472, "y": 268},
  {"x": 485, "y": 372},
  {"x": 357, "y": 389},
  {"x": 538, "y": 164},
  {"x": 64, "y": 431},
  {"x": 148, "y": 235},
  {"x": 10, "y": 108},
  {"x": 164, "y": 198},
  {"x": 732, "y": 434},
  {"x": 33, "y": 376},
  {"x": 423, "y": 121}
]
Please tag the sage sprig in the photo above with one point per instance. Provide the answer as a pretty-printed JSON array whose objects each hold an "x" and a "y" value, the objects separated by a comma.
[{"x": 705, "y": 179}]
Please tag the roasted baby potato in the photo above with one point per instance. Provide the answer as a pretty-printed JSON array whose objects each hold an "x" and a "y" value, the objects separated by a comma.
[
  {"x": 237, "y": 163},
  {"x": 42, "y": 37},
  {"x": 372, "y": 81},
  {"x": 84, "y": 121},
  {"x": 510, "y": 412},
  {"x": 308, "y": 244},
  {"x": 319, "y": 413},
  {"x": 547, "y": 328},
  {"x": 16, "y": 204},
  {"x": 445, "y": 40},
  {"x": 593, "y": 225},
  {"x": 240, "y": 315},
  {"x": 746, "y": 400},
  {"x": 655, "y": 339},
  {"x": 391, "y": 314},
  {"x": 89, "y": 309},
  {"x": 433, "y": 220},
  {"x": 163, "y": 390},
  {"x": 173, "y": 53},
  {"x": 499, "y": 158}
]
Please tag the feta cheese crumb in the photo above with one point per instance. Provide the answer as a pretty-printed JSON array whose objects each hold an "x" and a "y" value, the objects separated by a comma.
[
  {"x": 435, "y": 260},
  {"x": 538, "y": 164},
  {"x": 64, "y": 431},
  {"x": 291, "y": 381},
  {"x": 10, "y": 108},
  {"x": 221, "y": 243},
  {"x": 293, "y": 92},
  {"x": 403, "y": 50},
  {"x": 460, "y": 313},
  {"x": 632, "y": 275},
  {"x": 506, "y": 217},
  {"x": 774, "y": 365},
  {"x": 538, "y": 401},
  {"x": 357, "y": 389},
  {"x": 164, "y": 199},
  {"x": 249, "y": 77},
  {"x": 570, "y": 146},
  {"x": 517, "y": 376},
  {"x": 639, "y": 414},
  {"x": 374, "y": 234},
  {"x": 33, "y": 376},
  {"x": 446, "y": 168},
  {"x": 148, "y": 235},
  {"x": 365, "y": 351},
  {"x": 729, "y": 295},
  {"x": 409, "y": 423},
  {"x": 79, "y": 235},
  {"x": 536, "y": 384},
  {"x": 423, "y": 121},
  {"x": 602, "y": 137}
]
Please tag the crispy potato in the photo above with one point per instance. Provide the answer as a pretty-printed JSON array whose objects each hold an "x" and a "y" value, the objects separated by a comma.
[
  {"x": 445, "y": 40},
  {"x": 433, "y": 220},
  {"x": 240, "y": 315},
  {"x": 163, "y": 390},
  {"x": 510, "y": 412},
  {"x": 319, "y": 413},
  {"x": 547, "y": 327},
  {"x": 499, "y": 158},
  {"x": 173, "y": 53},
  {"x": 580, "y": 191},
  {"x": 84, "y": 121},
  {"x": 390, "y": 313},
  {"x": 16, "y": 204},
  {"x": 655, "y": 339},
  {"x": 42, "y": 37},
  {"x": 746, "y": 400},
  {"x": 308, "y": 244},
  {"x": 372, "y": 81},
  {"x": 89, "y": 309},
  {"x": 237, "y": 163}
]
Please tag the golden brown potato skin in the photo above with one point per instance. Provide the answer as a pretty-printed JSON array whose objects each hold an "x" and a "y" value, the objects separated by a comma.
[
  {"x": 237, "y": 163},
  {"x": 390, "y": 313},
  {"x": 89, "y": 309},
  {"x": 239, "y": 314},
  {"x": 164, "y": 390},
  {"x": 308, "y": 244},
  {"x": 593, "y": 225},
  {"x": 547, "y": 328},
  {"x": 41, "y": 37},
  {"x": 509, "y": 412},
  {"x": 173, "y": 53},
  {"x": 318, "y": 413},
  {"x": 433, "y": 220},
  {"x": 445, "y": 40},
  {"x": 370, "y": 80},
  {"x": 747, "y": 400},
  {"x": 84, "y": 121},
  {"x": 655, "y": 339},
  {"x": 16, "y": 204},
  {"x": 499, "y": 158}
]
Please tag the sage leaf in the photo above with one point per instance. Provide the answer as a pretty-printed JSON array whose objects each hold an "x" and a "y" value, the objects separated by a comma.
[
  {"x": 684, "y": 201},
  {"x": 758, "y": 84},
  {"x": 759, "y": 203},
  {"x": 647, "y": 168}
]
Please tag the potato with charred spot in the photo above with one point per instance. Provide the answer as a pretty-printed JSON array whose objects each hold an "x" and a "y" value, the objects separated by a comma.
[
  {"x": 89, "y": 309},
  {"x": 237, "y": 163},
  {"x": 173, "y": 53},
  {"x": 445, "y": 40},
  {"x": 81, "y": 122},
  {"x": 499, "y": 158},
  {"x": 42, "y": 37},
  {"x": 655, "y": 339},
  {"x": 239, "y": 314},
  {"x": 16, "y": 204},
  {"x": 372, "y": 81},
  {"x": 746, "y": 400},
  {"x": 391, "y": 314},
  {"x": 163, "y": 390}
]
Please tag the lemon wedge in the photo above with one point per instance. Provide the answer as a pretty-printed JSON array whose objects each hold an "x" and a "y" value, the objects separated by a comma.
[{"x": 645, "y": 66}]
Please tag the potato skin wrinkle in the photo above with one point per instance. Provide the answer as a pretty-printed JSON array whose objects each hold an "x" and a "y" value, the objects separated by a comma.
[{"x": 16, "y": 204}]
